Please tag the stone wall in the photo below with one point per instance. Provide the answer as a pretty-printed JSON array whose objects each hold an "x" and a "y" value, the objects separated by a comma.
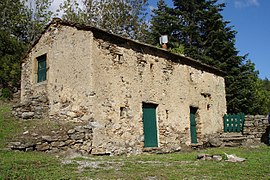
[
  {"x": 126, "y": 76},
  {"x": 34, "y": 107},
  {"x": 78, "y": 138},
  {"x": 255, "y": 132},
  {"x": 68, "y": 85},
  {"x": 256, "y": 129}
]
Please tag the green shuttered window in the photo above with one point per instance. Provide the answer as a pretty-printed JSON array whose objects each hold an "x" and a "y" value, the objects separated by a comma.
[{"x": 41, "y": 73}]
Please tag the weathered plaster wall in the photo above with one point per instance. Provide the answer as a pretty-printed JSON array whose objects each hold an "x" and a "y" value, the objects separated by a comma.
[
  {"x": 90, "y": 78},
  {"x": 68, "y": 84},
  {"x": 124, "y": 78}
]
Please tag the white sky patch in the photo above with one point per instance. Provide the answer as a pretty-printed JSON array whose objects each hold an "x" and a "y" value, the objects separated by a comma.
[
  {"x": 222, "y": 1},
  {"x": 246, "y": 3},
  {"x": 56, "y": 5},
  {"x": 152, "y": 8}
]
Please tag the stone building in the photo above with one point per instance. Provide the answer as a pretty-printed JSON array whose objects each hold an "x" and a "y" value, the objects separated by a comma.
[{"x": 135, "y": 96}]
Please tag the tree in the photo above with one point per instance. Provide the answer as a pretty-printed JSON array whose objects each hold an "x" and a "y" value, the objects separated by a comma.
[
  {"x": 72, "y": 12},
  {"x": 40, "y": 16},
  {"x": 161, "y": 23},
  {"x": 11, "y": 50},
  {"x": 263, "y": 94},
  {"x": 122, "y": 17},
  {"x": 13, "y": 35},
  {"x": 21, "y": 23},
  {"x": 199, "y": 26},
  {"x": 14, "y": 18}
]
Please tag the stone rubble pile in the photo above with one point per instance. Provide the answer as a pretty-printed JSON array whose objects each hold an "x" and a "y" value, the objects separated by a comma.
[{"x": 219, "y": 157}]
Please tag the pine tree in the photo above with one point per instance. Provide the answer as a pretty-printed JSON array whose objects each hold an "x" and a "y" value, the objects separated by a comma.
[
  {"x": 199, "y": 26},
  {"x": 161, "y": 23}
]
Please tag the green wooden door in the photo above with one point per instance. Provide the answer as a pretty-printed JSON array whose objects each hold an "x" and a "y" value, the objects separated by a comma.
[
  {"x": 150, "y": 125},
  {"x": 193, "y": 130}
]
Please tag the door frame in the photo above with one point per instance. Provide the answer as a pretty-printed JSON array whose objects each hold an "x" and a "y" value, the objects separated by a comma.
[
  {"x": 150, "y": 137},
  {"x": 193, "y": 119}
]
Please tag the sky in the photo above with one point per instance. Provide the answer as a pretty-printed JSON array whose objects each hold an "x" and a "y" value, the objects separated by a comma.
[{"x": 251, "y": 20}]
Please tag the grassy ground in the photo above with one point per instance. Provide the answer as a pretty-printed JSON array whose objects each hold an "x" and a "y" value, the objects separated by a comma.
[{"x": 183, "y": 165}]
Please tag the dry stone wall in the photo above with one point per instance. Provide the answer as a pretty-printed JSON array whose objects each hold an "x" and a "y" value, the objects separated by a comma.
[
  {"x": 78, "y": 138},
  {"x": 35, "y": 107},
  {"x": 256, "y": 129}
]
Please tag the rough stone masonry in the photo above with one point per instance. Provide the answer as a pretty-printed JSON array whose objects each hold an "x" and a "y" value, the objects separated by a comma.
[{"x": 96, "y": 77}]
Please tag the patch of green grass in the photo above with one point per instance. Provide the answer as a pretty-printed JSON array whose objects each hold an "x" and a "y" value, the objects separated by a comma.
[
  {"x": 182, "y": 165},
  {"x": 9, "y": 126},
  {"x": 33, "y": 165}
]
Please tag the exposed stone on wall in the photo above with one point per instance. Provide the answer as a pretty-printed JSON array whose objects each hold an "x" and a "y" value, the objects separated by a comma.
[
  {"x": 98, "y": 78},
  {"x": 34, "y": 107},
  {"x": 78, "y": 138}
]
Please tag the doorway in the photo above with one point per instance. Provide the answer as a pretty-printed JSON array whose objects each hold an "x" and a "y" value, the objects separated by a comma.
[
  {"x": 193, "y": 124},
  {"x": 150, "y": 125}
]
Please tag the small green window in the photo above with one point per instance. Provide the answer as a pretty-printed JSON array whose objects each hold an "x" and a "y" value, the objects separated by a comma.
[{"x": 41, "y": 73}]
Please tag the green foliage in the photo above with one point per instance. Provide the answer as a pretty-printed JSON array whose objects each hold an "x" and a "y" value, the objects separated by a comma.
[
  {"x": 162, "y": 23},
  {"x": 265, "y": 84},
  {"x": 14, "y": 18},
  {"x": 11, "y": 50},
  {"x": 199, "y": 28},
  {"x": 72, "y": 12},
  {"x": 122, "y": 17},
  {"x": 263, "y": 94},
  {"x": 6, "y": 93},
  {"x": 40, "y": 15},
  {"x": 180, "y": 49},
  {"x": 21, "y": 22}
]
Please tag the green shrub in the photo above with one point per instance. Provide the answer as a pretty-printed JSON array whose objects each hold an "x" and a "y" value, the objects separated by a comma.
[{"x": 6, "y": 93}]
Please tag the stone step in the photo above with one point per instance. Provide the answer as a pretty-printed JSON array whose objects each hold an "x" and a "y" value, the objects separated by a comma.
[
  {"x": 233, "y": 139},
  {"x": 231, "y": 135},
  {"x": 232, "y": 144}
]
